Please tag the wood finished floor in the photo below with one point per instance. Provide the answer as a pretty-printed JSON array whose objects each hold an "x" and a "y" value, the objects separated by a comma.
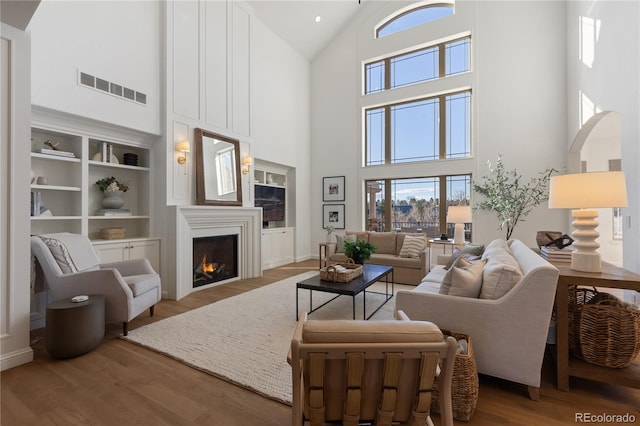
[{"x": 123, "y": 384}]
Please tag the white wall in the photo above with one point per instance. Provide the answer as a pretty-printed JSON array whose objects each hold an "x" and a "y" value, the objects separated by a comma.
[
  {"x": 603, "y": 75},
  {"x": 519, "y": 107},
  {"x": 115, "y": 41}
]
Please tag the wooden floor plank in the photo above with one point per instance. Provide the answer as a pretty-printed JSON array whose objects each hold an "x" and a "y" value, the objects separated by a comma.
[{"x": 122, "y": 384}]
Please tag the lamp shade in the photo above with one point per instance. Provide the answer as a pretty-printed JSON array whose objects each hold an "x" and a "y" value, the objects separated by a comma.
[
  {"x": 182, "y": 146},
  {"x": 588, "y": 190},
  {"x": 459, "y": 214}
]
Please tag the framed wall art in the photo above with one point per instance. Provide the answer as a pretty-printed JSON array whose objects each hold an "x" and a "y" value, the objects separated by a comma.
[
  {"x": 333, "y": 188},
  {"x": 333, "y": 215}
]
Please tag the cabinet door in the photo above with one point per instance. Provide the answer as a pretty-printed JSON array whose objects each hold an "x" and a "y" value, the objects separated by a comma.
[
  {"x": 146, "y": 250},
  {"x": 267, "y": 249},
  {"x": 286, "y": 246},
  {"x": 114, "y": 252}
]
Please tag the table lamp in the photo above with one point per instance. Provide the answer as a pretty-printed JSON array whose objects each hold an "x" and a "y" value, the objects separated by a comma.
[
  {"x": 459, "y": 215},
  {"x": 585, "y": 192}
]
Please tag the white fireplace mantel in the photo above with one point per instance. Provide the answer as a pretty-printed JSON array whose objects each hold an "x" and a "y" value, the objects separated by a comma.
[{"x": 198, "y": 221}]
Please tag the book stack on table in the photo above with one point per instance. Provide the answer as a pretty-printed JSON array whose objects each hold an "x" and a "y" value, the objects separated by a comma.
[{"x": 556, "y": 255}]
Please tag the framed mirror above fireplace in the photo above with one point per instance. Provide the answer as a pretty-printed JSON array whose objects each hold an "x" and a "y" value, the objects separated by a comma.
[{"x": 218, "y": 178}]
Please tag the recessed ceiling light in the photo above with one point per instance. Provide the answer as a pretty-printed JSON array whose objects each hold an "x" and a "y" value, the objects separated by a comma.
[{"x": 318, "y": 18}]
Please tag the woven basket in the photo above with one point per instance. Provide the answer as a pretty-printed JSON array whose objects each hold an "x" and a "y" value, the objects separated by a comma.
[
  {"x": 602, "y": 329},
  {"x": 330, "y": 273},
  {"x": 112, "y": 233},
  {"x": 464, "y": 385}
]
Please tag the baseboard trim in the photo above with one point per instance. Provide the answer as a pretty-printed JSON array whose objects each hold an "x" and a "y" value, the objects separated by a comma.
[{"x": 16, "y": 358}]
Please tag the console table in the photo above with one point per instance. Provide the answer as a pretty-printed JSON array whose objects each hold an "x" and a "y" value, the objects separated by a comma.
[{"x": 612, "y": 277}]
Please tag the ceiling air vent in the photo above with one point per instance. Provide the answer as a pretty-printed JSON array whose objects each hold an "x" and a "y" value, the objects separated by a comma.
[{"x": 111, "y": 88}]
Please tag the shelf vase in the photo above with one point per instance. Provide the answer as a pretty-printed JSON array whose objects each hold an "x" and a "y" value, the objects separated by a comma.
[{"x": 113, "y": 200}]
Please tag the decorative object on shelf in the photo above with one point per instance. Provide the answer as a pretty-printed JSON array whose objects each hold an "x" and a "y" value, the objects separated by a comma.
[
  {"x": 183, "y": 148},
  {"x": 247, "y": 161},
  {"x": 52, "y": 145},
  {"x": 329, "y": 230},
  {"x": 113, "y": 190},
  {"x": 112, "y": 233},
  {"x": 586, "y": 192},
  {"x": 544, "y": 238},
  {"x": 459, "y": 215},
  {"x": 99, "y": 157},
  {"x": 42, "y": 180},
  {"x": 333, "y": 215},
  {"x": 333, "y": 188},
  {"x": 509, "y": 197},
  {"x": 359, "y": 250},
  {"x": 130, "y": 159}
]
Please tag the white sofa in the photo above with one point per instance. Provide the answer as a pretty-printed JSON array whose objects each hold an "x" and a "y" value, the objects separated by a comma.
[{"x": 509, "y": 333}]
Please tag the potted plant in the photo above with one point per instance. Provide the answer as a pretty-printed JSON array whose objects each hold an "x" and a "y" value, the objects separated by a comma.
[
  {"x": 329, "y": 230},
  {"x": 359, "y": 250},
  {"x": 511, "y": 199},
  {"x": 113, "y": 190}
]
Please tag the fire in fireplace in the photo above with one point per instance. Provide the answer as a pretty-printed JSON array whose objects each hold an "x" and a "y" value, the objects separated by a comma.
[{"x": 214, "y": 259}]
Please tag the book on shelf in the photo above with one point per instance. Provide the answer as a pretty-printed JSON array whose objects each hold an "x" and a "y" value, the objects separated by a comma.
[
  {"x": 58, "y": 153},
  {"x": 107, "y": 157},
  {"x": 113, "y": 212},
  {"x": 35, "y": 203}
]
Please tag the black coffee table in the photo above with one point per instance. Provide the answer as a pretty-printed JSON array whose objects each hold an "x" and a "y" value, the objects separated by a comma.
[{"x": 370, "y": 274}]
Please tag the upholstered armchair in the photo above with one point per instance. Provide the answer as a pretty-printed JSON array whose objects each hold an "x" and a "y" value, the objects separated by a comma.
[
  {"x": 71, "y": 267},
  {"x": 357, "y": 371}
]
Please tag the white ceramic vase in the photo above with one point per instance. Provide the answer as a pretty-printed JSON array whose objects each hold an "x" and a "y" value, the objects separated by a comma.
[{"x": 113, "y": 200}]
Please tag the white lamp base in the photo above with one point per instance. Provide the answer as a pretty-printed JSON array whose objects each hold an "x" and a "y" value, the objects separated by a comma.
[
  {"x": 458, "y": 234},
  {"x": 586, "y": 257}
]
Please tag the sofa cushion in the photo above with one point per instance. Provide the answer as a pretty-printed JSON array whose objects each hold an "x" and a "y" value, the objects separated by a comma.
[
  {"x": 340, "y": 239},
  {"x": 142, "y": 283},
  {"x": 412, "y": 246},
  {"x": 500, "y": 274},
  {"x": 395, "y": 261},
  {"x": 495, "y": 246},
  {"x": 467, "y": 281},
  {"x": 385, "y": 242},
  {"x": 362, "y": 235}
]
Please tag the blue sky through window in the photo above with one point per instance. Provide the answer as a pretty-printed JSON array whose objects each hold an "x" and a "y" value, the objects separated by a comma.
[{"x": 414, "y": 18}]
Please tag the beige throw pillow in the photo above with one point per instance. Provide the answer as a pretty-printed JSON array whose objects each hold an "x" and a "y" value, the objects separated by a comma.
[
  {"x": 340, "y": 239},
  {"x": 467, "y": 281},
  {"x": 412, "y": 247},
  {"x": 461, "y": 264},
  {"x": 501, "y": 273}
]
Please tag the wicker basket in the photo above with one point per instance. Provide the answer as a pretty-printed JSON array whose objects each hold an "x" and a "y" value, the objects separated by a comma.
[
  {"x": 330, "y": 273},
  {"x": 464, "y": 385},
  {"x": 602, "y": 329},
  {"x": 112, "y": 233}
]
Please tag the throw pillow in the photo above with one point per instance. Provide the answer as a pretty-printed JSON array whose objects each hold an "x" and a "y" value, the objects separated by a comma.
[
  {"x": 500, "y": 274},
  {"x": 340, "y": 242},
  {"x": 467, "y": 281},
  {"x": 445, "y": 286},
  {"x": 457, "y": 252},
  {"x": 60, "y": 254},
  {"x": 412, "y": 247},
  {"x": 473, "y": 249}
]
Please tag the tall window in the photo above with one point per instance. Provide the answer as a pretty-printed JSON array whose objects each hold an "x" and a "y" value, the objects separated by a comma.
[
  {"x": 414, "y": 17},
  {"x": 430, "y": 63},
  {"x": 414, "y": 204},
  {"x": 433, "y": 128}
]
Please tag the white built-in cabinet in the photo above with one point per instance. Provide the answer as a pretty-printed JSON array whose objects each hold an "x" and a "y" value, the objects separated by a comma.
[
  {"x": 148, "y": 248},
  {"x": 277, "y": 247},
  {"x": 68, "y": 191}
]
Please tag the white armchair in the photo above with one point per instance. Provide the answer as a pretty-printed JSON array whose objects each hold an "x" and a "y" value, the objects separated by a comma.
[{"x": 71, "y": 267}]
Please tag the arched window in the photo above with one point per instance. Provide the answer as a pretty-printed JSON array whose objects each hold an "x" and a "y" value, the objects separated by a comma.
[{"x": 412, "y": 17}]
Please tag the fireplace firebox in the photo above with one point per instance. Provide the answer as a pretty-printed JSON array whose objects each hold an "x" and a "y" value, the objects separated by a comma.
[{"x": 215, "y": 258}]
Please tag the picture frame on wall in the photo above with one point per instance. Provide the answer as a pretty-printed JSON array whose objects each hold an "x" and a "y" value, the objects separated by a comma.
[
  {"x": 333, "y": 215},
  {"x": 333, "y": 188}
]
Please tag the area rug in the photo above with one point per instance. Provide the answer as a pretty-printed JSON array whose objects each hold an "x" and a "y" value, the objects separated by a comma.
[{"x": 245, "y": 339}]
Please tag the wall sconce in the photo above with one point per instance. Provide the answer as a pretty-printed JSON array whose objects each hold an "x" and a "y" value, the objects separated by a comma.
[
  {"x": 182, "y": 147},
  {"x": 246, "y": 164}
]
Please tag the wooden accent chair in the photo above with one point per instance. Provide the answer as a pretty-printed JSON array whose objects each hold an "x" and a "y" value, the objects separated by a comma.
[
  {"x": 71, "y": 267},
  {"x": 369, "y": 371}
]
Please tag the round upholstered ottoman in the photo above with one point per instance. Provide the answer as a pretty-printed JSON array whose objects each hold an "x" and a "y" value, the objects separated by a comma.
[{"x": 74, "y": 328}]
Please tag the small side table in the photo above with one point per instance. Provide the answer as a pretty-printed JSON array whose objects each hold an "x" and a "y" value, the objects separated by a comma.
[
  {"x": 74, "y": 329},
  {"x": 322, "y": 254}
]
